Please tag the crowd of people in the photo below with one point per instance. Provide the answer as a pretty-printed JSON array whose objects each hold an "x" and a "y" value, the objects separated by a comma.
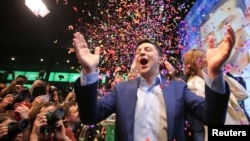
[{"x": 41, "y": 113}]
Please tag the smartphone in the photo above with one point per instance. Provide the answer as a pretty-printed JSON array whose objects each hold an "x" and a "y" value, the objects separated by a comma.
[{"x": 46, "y": 97}]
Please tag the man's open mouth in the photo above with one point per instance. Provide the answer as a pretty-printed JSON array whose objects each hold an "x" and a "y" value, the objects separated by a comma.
[{"x": 143, "y": 61}]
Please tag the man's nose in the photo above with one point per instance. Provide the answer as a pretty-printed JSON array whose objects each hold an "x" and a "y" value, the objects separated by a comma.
[{"x": 142, "y": 53}]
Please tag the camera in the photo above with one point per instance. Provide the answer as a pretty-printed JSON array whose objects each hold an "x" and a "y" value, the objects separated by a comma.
[
  {"x": 41, "y": 75},
  {"x": 52, "y": 118},
  {"x": 20, "y": 82},
  {"x": 14, "y": 128}
]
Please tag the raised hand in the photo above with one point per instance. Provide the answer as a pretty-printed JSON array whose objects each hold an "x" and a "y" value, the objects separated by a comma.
[
  {"x": 23, "y": 111},
  {"x": 87, "y": 60},
  {"x": 8, "y": 99},
  {"x": 40, "y": 121},
  {"x": 217, "y": 56},
  {"x": 169, "y": 67}
]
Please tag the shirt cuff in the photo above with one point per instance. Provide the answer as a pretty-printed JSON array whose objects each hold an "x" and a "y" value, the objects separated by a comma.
[
  {"x": 89, "y": 78},
  {"x": 218, "y": 84}
]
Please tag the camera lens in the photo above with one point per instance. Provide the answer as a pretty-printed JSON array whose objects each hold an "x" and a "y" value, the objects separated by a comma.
[
  {"x": 55, "y": 116},
  {"x": 15, "y": 128},
  {"x": 52, "y": 118}
]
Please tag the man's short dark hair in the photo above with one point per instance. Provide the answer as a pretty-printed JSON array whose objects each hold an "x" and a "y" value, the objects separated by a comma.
[
  {"x": 157, "y": 47},
  {"x": 23, "y": 95},
  {"x": 23, "y": 77}
]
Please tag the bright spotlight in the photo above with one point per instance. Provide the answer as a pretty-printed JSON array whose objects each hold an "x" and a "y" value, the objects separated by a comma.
[{"x": 37, "y": 7}]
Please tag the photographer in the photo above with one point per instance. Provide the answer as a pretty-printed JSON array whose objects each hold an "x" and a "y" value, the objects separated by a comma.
[
  {"x": 36, "y": 84},
  {"x": 55, "y": 95},
  {"x": 15, "y": 87},
  {"x": 12, "y": 130},
  {"x": 22, "y": 105},
  {"x": 48, "y": 124},
  {"x": 71, "y": 120},
  {"x": 5, "y": 102}
]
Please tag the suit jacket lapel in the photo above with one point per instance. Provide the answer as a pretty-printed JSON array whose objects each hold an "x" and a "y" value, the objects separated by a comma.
[{"x": 169, "y": 96}]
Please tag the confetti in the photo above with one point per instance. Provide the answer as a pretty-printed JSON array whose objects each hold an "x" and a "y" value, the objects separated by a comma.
[{"x": 117, "y": 27}]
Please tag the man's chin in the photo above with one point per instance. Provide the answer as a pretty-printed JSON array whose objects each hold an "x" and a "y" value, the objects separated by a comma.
[
  {"x": 143, "y": 69},
  {"x": 144, "y": 72}
]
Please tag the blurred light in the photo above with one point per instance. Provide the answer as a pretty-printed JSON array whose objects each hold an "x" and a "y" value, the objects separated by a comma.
[
  {"x": 37, "y": 7},
  {"x": 41, "y": 60},
  {"x": 68, "y": 61},
  {"x": 13, "y": 58}
]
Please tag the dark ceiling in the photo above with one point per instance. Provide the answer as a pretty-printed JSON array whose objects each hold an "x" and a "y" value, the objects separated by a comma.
[{"x": 29, "y": 38}]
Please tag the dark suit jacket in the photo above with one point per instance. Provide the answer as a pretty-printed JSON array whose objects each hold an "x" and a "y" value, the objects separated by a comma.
[{"x": 122, "y": 101}]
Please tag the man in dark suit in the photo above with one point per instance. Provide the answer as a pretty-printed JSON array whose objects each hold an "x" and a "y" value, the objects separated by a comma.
[{"x": 151, "y": 107}]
